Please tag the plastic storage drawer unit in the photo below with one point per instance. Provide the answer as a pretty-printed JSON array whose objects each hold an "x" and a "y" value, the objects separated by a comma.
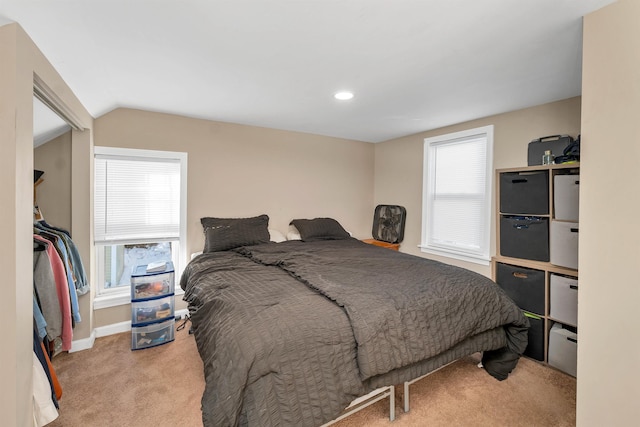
[
  {"x": 563, "y": 299},
  {"x": 524, "y": 286},
  {"x": 563, "y": 349},
  {"x": 152, "y": 335},
  {"x": 153, "y": 310},
  {"x": 566, "y": 193},
  {"x": 564, "y": 244},
  {"x": 524, "y": 237},
  {"x": 155, "y": 284},
  {"x": 535, "y": 348},
  {"x": 524, "y": 193}
]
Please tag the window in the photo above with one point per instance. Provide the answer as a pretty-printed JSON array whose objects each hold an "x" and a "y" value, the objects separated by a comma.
[
  {"x": 457, "y": 195},
  {"x": 139, "y": 215}
]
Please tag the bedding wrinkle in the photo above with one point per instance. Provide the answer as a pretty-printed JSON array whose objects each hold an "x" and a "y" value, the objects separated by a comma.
[
  {"x": 291, "y": 333},
  {"x": 424, "y": 309},
  {"x": 252, "y": 368}
]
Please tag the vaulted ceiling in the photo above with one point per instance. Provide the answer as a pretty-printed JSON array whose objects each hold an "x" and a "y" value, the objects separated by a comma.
[{"x": 413, "y": 65}]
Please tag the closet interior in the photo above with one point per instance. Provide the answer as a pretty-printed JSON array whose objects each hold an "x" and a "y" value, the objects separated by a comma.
[{"x": 59, "y": 275}]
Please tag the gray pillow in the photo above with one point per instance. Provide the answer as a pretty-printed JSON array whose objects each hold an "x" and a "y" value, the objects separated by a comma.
[
  {"x": 320, "y": 229},
  {"x": 222, "y": 234}
]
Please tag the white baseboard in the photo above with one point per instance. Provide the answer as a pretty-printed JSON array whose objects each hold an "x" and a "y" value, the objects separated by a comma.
[
  {"x": 116, "y": 328},
  {"x": 83, "y": 344}
]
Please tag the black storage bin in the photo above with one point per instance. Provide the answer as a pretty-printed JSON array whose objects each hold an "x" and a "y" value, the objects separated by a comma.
[
  {"x": 535, "y": 348},
  {"x": 524, "y": 237},
  {"x": 525, "y": 286},
  {"x": 524, "y": 192}
]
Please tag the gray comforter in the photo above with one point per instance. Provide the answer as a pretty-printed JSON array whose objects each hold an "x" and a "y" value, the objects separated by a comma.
[{"x": 290, "y": 333}]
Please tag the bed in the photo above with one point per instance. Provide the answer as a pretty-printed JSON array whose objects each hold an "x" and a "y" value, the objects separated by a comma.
[{"x": 291, "y": 333}]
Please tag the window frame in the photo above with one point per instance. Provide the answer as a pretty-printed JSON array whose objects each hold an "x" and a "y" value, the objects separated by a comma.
[
  {"x": 483, "y": 254},
  {"x": 110, "y": 297}
]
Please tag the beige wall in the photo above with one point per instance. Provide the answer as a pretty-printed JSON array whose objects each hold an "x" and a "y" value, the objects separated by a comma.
[
  {"x": 238, "y": 171},
  {"x": 21, "y": 60},
  {"x": 15, "y": 169},
  {"x": 398, "y": 163},
  {"x": 608, "y": 343},
  {"x": 53, "y": 196}
]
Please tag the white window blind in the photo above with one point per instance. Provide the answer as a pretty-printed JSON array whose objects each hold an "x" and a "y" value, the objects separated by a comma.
[
  {"x": 136, "y": 199},
  {"x": 457, "y": 194}
]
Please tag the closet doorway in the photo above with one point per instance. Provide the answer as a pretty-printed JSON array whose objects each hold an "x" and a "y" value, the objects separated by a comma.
[{"x": 63, "y": 152}]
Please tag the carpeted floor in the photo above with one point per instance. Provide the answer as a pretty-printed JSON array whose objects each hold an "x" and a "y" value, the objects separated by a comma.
[{"x": 110, "y": 385}]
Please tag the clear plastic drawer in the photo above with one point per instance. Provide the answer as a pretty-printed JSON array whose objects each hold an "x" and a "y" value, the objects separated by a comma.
[
  {"x": 152, "y": 335},
  {"x": 151, "y": 311}
]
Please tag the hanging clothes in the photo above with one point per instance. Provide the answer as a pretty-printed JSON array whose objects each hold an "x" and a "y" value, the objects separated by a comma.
[
  {"x": 44, "y": 410},
  {"x": 56, "y": 288},
  {"x": 46, "y": 292},
  {"x": 79, "y": 273},
  {"x": 41, "y": 355},
  {"x": 57, "y": 239},
  {"x": 38, "y": 318},
  {"x": 62, "y": 289},
  {"x": 55, "y": 384}
]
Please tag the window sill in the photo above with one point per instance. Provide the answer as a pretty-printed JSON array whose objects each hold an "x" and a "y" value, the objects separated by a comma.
[
  {"x": 454, "y": 255},
  {"x": 118, "y": 298}
]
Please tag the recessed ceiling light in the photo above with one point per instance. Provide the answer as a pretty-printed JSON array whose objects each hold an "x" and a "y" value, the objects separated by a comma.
[{"x": 343, "y": 96}]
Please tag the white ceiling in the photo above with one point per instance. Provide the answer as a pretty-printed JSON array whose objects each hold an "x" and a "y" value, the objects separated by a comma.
[
  {"x": 47, "y": 124},
  {"x": 413, "y": 65}
]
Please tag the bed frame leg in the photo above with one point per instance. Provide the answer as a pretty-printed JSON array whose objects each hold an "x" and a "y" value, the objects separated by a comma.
[
  {"x": 392, "y": 403},
  {"x": 367, "y": 400},
  {"x": 405, "y": 396}
]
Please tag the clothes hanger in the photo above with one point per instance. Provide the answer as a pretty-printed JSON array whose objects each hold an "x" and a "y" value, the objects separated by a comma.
[
  {"x": 39, "y": 246},
  {"x": 37, "y": 180},
  {"x": 37, "y": 214}
]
